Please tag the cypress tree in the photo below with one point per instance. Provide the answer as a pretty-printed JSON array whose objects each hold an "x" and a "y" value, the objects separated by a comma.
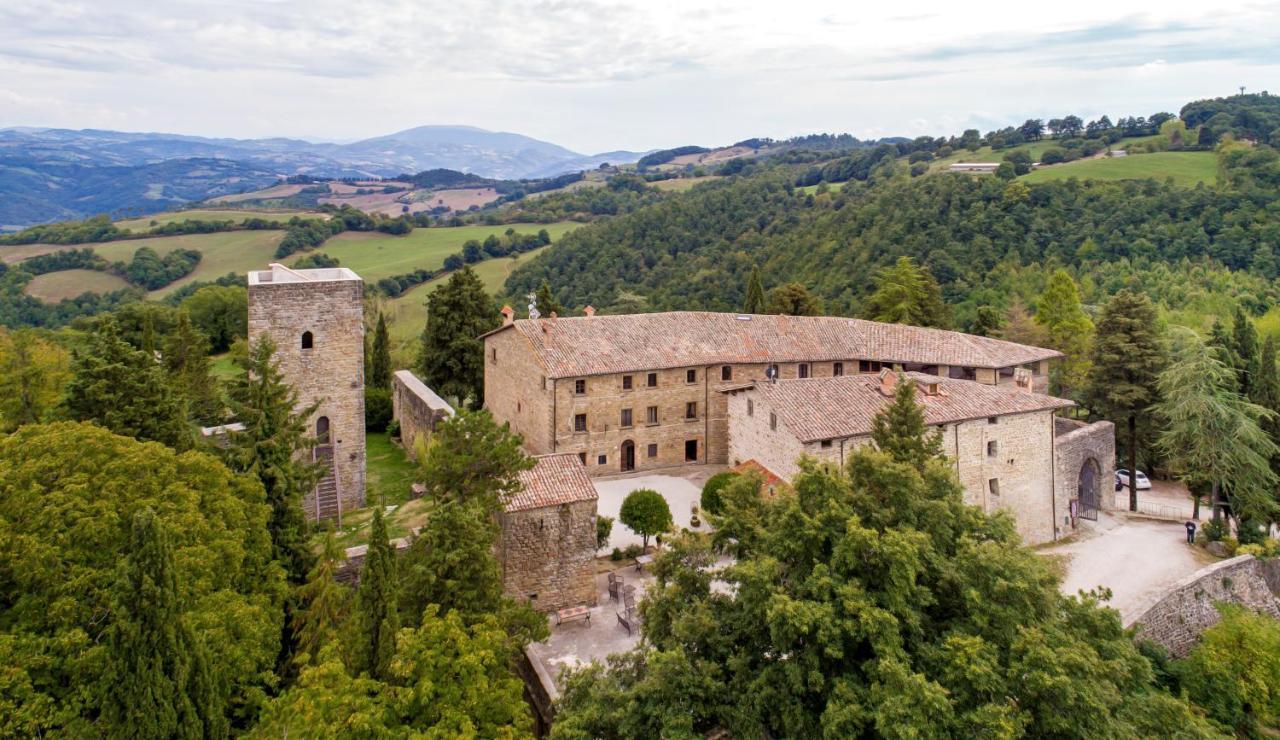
[
  {"x": 1069, "y": 328},
  {"x": 755, "y": 292},
  {"x": 186, "y": 357},
  {"x": 322, "y": 601},
  {"x": 1127, "y": 358},
  {"x": 1244, "y": 347},
  {"x": 451, "y": 358},
  {"x": 899, "y": 429},
  {"x": 380, "y": 364},
  {"x": 546, "y": 301},
  {"x": 1266, "y": 393},
  {"x": 159, "y": 685},
  {"x": 375, "y": 620}
]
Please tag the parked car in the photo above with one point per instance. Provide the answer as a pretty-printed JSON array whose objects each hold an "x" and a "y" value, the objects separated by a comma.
[{"x": 1122, "y": 480}]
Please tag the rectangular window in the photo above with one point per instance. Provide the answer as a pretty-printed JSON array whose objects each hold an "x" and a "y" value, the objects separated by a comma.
[
  {"x": 544, "y": 382},
  {"x": 652, "y": 380},
  {"x": 691, "y": 410},
  {"x": 992, "y": 419},
  {"x": 837, "y": 369},
  {"x": 804, "y": 370},
  {"x": 582, "y": 456},
  {"x": 773, "y": 420},
  {"x": 495, "y": 354},
  {"x": 751, "y": 407},
  {"x": 626, "y": 382},
  {"x": 993, "y": 448},
  {"x": 691, "y": 450},
  {"x": 580, "y": 387},
  {"x": 602, "y": 460},
  {"x": 579, "y": 422},
  {"x": 653, "y": 450},
  {"x": 868, "y": 366},
  {"x": 691, "y": 376},
  {"x": 826, "y": 443},
  {"x": 993, "y": 485},
  {"x": 726, "y": 373},
  {"x": 651, "y": 415},
  {"x": 625, "y": 421}
]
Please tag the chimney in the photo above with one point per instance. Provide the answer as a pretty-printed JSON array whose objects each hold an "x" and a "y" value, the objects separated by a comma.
[
  {"x": 888, "y": 381},
  {"x": 1022, "y": 379},
  {"x": 508, "y": 316},
  {"x": 589, "y": 311}
]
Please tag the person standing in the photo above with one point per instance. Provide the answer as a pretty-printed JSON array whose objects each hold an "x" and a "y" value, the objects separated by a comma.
[{"x": 1191, "y": 532}]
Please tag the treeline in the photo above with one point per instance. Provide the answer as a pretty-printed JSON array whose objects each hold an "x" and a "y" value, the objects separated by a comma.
[
  {"x": 17, "y": 309},
  {"x": 666, "y": 155},
  {"x": 1255, "y": 116},
  {"x": 146, "y": 269},
  {"x": 473, "y": 250},
  {"x": 101, "y": 229}
]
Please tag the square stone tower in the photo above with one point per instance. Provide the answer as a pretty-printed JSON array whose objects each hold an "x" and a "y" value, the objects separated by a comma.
[{"x": 316, "y": 319}]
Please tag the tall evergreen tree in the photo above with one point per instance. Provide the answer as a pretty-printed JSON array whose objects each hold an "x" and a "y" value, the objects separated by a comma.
[
  {"x": 899, "y": 429},
  {"x": 793, "y": 299},
  {"x": 1069, "y": 331},
  {"x": 273, "y": 448},
  {"x": 907, "y": 293},
  {"x": 380, "y": 363},
  {"x": 126, "y": 391},
  {"x": 546, "y": 301},
  {"x": 375, "y": 618},
  {"x": 451, "y": 359},
  {"x": 186, "y": 357},
  {"x": 755, "y": 292},
  {"x": 159, "y": 685},
  {"x": 1266, "y": 393},
  {"x": 1244, "y": 349},
  {"x": 1127, "y": 358},
  {"x": 323, "y": 601}
]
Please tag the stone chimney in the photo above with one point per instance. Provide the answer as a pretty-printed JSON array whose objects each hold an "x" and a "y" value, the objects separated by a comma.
[
  {"x": 508, "y": 316},
  {"x": 888, "y": 381},
  {"x": 1022, "y": 379},
  {"x": 589, "y": 311}
]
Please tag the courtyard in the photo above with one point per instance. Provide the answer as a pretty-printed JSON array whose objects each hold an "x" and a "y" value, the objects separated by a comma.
[{"x": 681, "y": 487}]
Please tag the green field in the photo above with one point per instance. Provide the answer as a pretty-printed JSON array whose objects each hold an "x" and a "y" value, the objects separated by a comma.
[
  {"x": 1185, "y": 168},
  {"x": 52, "y": 287},
  {"x": 831, "y": 186},
  {"x": 1034, "y": 149},
  {"x": 680, "y": 184},
  {"x": 212, "y": 214},
  {"x": 374, "y": 255}
]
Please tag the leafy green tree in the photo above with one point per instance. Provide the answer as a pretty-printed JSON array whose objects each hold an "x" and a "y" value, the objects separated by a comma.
[
  {"x": 323, "y": 601},
  {"x": 327, "y": 701},
  {"x": 546, "y": 301},
  {"x": 158, "y": 685},
  {"x": 1244, "y": 350},
  {"x": 1127, "y": 359},
  {"x": 221, "y": 312},
  {"x": 273, "y": 448},
  {"x": 1069, "y": 331},
  {"x": 186, "y": 357},
  {"x": 125, "y": 390},
  {"x": 1234, "y": 671},
  {"x": 380, "y": 363},
  {"x": 452, "y": 355},
  {"x": 375, "y": 617},
  {"x": 899, "y": 429},
  {"x": 33, "y": 373},
  {"x": 710, "y": 501},
  {"x": 987, "y": 322},
  {"x": 906, "y": 293},
  {"x": 793, "y": 299},
  {"x": 68, "y": 496},
  {"x": 1213, "y": 435},
  {"x": 646, "y": 512},
  {"x": 471, "y": 457},
  {"x": 755, "y": 293}
]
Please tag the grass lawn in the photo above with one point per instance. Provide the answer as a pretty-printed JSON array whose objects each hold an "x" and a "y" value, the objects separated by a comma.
[
  {"x": 375, "y": 255},
  {"x": 223, "y": 367},
  {"x": 52, "y": 287},
  {"x": 1186, "y": 168},
  {"x": 1034, "y": 149},
  {"x": 389, "y": 473},
  {"x": 213, "y": 214},
  {"x": 831, "y": 186}
]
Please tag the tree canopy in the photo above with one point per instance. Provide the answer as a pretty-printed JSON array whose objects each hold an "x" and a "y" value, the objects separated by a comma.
[{"x": 451, "y": 358}]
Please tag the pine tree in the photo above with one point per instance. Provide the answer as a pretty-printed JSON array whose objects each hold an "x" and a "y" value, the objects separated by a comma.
[
  {"x": 375, "y": 618},
  {"x": 1069, "y": 331},
  {"x": 1266, "y": 393},
  {"x": 323, "y": 601},
  {"x": 793, "y": 299},
  {"x": 380, "y": 363},
  {"x": 451, "y": 359},
  {"x": 1128, "y": 356},
  {"x": 273, "y": 447},
  {"x": 186, "y": 357},
  {"x": 451, "y": 563},
  {"x": 899, "y": 429},
  {"x": 546, "y": 301},
  {"x": 755, "y": 292},
  {"x": 907, "y": 293},
  {"x": 125, "y": 390},
  {"x": 159, "y": 685},
  {"x": 1244, "y": 349}
]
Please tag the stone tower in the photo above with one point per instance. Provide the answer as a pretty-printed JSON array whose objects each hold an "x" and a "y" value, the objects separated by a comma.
[{"x": 316, "y": 319}]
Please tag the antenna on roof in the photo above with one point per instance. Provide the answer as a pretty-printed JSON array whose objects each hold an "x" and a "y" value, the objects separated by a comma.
[{"x": 533, "y": 305}]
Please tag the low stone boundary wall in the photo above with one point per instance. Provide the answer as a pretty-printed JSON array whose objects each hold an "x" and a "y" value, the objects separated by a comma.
[
  {"x": 416, "y": 407},
  {"x": 349, "y": 570},
  {"x": 1177, "y": 615}
]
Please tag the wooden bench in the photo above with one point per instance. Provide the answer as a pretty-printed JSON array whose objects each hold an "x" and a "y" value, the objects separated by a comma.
[
  {"x": 643, "y": 560},
  {"x": 572, "y": 613}
]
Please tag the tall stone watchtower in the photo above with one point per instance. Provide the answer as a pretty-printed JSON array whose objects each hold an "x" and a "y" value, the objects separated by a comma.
[{"x": 316, "y": 319}]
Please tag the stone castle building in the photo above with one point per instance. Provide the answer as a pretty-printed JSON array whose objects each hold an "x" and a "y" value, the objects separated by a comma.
[{"x": 316, "y": 320}]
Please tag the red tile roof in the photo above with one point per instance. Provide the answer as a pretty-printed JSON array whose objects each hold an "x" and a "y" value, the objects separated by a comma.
[
  {"x": 597, "y": 345},
  {"x": 554, "y": 480},
  {"x": 834, "y": 408}
]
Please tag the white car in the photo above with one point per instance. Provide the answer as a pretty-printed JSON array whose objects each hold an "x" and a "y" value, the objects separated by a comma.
[{"x": 1122, "y": 480}]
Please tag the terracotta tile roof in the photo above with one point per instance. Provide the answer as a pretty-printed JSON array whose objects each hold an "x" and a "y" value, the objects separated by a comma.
[
  {"x": 834, "y": 408},
  {"x": 554, "y": 480},
  {"x": 576, "y": 346}
]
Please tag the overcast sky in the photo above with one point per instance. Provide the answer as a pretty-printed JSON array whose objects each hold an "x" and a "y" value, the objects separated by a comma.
[{"x": 596, "y": 75}]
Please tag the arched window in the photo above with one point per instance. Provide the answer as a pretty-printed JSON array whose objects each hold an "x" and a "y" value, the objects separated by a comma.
[
  {"x": 307, "y": 340},
  {"x": 322, "y": 430}
]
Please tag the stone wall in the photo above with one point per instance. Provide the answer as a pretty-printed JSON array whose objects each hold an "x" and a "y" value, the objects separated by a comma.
[
  {"x": 349, "y": 570},
  {"x": 547, "y": 555},
  {"x": 752, "y": 438},
  {"x": 416, "y": 407},
  {"x": 517, "y": 390},
  {"x": 1076, "y": 444},
  {"x": 1178, "y": 614}
]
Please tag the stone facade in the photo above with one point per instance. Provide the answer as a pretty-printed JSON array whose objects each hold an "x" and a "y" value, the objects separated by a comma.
[
  {"x": 1178, "y": 615},
  {"x": 1084, "y": 453},
  {"x": 316, "y": 320},
  {"x": 416, "y": 407}
]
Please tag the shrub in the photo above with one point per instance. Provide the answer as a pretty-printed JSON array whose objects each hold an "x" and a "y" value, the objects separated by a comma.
[
  {"x": 1053, "y": 156},
  {"x": 393, "y": 428},
  {"x": 377, "y": 409},
  {"x": 604, "y": 528},
  {"x": 710, "y": 500},
  {"x": 646, "y": 512},
  {"x": 616, "y": 555},
  {"x": 1214, "y": 529},
  {"x": 1234, "y": 671},
  {"x": 632, "y": 552}
]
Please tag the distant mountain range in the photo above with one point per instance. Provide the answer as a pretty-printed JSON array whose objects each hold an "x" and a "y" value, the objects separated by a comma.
[{"x": 54, "y": 174}]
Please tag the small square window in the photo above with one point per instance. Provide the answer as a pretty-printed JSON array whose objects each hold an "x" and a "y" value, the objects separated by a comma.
[
  {"x": 691, "y": 376},
  {"x": 993, "y": 485},
  {"x": 579, "y": 422},
  {"x": 602, "y": 460},
  {"x": 751, "y": 407},
  {"x": 837, "y": 369},
  {"x": 826, "y": 443},
  {"x": 626, "y": 382},
  {"x": 651, "y": 415},
  {"x": 773, "y": 420},
  {"x": 580, "y": 387},
  {"x": 653, "y": 450},
  {"x": 993, "y": 448},
  {"x": 804, "y": 370},
  {"x": 992, "y": 419},
  {"x": 726, "y": 373},
  {"x": 652, "y": 380},
  {"x": 625, "y": 421},
  {"x": 691, "y": 410}
]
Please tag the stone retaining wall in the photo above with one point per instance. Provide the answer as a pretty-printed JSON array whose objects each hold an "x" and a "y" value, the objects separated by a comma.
[
  {"x": 1178, "y": 615},
  {"x": 416, "y": 407}
]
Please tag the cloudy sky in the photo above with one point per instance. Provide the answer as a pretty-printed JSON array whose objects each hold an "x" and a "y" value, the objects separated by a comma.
[{"x": 596, "y": 75}]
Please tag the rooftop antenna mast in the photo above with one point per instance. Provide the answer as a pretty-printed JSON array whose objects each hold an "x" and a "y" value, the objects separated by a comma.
[
  {"x": 1242, "y": 89},
  {"x": 533, "y": 306}
]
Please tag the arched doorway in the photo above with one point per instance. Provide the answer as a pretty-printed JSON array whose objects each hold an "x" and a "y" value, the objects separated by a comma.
[
  {"x": 1088, "y": 489},
  {"x": 322, "y": 430},
  {"x": 628, "y": 456}
]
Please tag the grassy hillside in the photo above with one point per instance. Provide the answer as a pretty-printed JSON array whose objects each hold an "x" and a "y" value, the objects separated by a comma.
[
  {"x": 1186, "y": 168},
  {"x": 54, "y": 286},
  {"x": 213, "y": 214}
]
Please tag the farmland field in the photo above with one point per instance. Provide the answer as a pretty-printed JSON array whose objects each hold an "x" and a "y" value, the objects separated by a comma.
[
  {"x": 52, "y": 287},
  {"x": 681, "y": 184},
  {"x": 213, "y": 214},
  {"x": 832, "y": 186},
  {"x": 1186, "y": 168}
]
